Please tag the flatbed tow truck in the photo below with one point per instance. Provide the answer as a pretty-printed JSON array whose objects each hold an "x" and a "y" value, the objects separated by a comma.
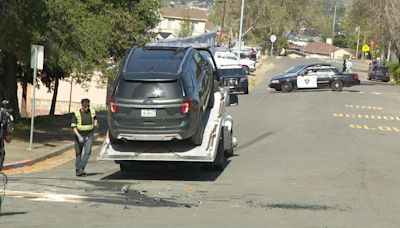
[
  {"x": 218, "y": 143},
  {"x": 218, "y": 140}
]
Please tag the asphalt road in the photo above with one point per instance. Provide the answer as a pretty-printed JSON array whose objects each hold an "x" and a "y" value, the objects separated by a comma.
[{"x": 309, "y": 158}]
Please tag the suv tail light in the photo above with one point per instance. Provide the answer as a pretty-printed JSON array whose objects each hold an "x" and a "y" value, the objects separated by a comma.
[
  {"x": 373, "y": 72},
  {"x": 355, "y": 76},
  {"x": 113, "y": 106},
  {"x": 186, "y": 106}
]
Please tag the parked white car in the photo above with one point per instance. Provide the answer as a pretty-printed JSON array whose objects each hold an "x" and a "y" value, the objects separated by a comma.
[{"x": 230, "y": 59}]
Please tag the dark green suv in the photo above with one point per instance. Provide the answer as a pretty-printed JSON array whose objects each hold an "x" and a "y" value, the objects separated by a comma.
[{"x": 161, "y": 94}]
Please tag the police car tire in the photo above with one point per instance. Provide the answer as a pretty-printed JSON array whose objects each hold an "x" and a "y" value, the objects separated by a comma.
[
  {"x": 286, "y": 87},
  {"x": 337, "y": 85}
]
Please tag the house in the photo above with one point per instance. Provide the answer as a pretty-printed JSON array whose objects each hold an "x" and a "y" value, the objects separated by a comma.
[
  {"x": 320, "y": 49},
  {"x": 172, "y": 18}
]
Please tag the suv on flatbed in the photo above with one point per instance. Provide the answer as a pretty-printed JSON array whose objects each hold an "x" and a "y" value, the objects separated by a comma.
[{"x": 161, "y": 94}]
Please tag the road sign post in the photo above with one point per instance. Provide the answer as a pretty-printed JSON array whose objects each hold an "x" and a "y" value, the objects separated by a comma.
[
  {"x": 37, "y": 56},
  {"x": 273, "y": 39},
  {"x": 365, "y": 49}
]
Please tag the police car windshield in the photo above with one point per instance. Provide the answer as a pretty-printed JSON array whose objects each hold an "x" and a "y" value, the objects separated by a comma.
[{"x": 295, "y": 69}]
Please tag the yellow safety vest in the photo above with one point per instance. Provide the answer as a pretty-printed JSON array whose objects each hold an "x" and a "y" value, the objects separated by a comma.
[{"x": 79, "y": 125}]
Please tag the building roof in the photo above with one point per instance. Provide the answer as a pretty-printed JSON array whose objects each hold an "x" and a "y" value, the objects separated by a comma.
[
  {"x": 179, "y": 12},
  {"x": 349, "y": 50},
  {"x": 320, "y": 48}
]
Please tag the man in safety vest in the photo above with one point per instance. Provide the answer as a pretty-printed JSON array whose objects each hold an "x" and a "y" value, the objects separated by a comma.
[{"x": 83, "y": 123}]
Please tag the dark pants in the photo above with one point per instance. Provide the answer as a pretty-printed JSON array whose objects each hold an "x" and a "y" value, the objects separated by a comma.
[{"x": 82, "y": 151}]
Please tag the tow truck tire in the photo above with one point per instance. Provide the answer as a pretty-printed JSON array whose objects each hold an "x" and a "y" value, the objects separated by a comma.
[
  {"x": 337, "y": 85},
  {"x": 220, "y": 160},
  {"x": 286, "y": 87},
  {"x": 124, "y": 168},
  {"x": 197, "y": 138}
]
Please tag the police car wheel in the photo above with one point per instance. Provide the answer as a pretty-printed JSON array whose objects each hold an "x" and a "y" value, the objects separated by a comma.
[
  {"x": 337, "y": 85},
  {"x": 286, "y": 87}
]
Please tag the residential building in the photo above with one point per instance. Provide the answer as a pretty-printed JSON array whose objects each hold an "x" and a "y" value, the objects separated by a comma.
[{"x": 173, "y": 17}]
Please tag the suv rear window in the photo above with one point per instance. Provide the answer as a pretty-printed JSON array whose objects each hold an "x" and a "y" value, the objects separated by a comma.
[
  {"x": 128, "y": 89},
  {"x": 155, "y": 60}
]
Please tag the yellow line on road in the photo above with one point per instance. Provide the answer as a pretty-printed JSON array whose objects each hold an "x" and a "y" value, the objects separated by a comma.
[
  {"x": 368, "y": 107},
  {"x": 366, "y": 116}
]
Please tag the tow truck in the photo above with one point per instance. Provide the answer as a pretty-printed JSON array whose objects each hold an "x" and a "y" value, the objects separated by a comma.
[{"x": 218, "y": 141}]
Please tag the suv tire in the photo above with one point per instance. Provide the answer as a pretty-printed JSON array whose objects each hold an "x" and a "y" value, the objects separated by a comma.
[{"x": 197, "y": 138}]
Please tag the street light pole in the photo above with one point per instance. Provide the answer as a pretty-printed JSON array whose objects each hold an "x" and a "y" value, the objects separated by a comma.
[
  {"x": 241, "y": 26},
  {"x": 358, "y": 40}
]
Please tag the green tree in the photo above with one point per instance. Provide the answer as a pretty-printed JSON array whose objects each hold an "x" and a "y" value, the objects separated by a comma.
[
  {"x": 186, "y": 28},
  {"x": 79, "y": 37},
  {"x": 21, "y": 25}
]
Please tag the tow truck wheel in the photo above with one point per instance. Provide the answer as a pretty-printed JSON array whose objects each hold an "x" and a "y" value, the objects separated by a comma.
[
  {"x": 220, "y": 159},
  {"x": 337, "y": 85},
  {"x": 124, "y": 167}
]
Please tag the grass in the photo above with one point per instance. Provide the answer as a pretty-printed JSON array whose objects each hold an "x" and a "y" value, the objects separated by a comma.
[
  {"x": 57, "y": 124},
  {"x": 394, "y": 69}
]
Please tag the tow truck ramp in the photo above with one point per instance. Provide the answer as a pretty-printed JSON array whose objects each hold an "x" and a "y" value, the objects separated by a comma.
[{"x": 217, "y": 139}]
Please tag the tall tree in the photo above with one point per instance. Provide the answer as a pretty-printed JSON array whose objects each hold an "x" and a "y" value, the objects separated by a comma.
[{"x": 21, "y": 25}]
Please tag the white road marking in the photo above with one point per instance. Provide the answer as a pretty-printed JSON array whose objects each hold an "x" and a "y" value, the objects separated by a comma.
[
  {"x": 376, "y": 93},
  {"x": 52, "y": 197}
]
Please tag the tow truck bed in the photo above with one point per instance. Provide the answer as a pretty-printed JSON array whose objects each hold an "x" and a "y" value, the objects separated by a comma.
[{"x": 176, "y": 150}]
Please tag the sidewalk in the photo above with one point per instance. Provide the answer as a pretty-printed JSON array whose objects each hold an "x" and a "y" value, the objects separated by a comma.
[{"x": 46, "y": 143}]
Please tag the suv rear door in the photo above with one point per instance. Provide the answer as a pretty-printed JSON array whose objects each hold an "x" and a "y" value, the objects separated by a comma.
[{"x": 148, "y": 104}]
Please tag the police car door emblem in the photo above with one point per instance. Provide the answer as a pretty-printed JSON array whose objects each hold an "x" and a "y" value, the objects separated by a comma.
[{"x": 307, "y": 80}]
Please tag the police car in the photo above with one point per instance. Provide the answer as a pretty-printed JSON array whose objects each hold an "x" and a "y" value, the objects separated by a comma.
[{"x": 316, "y": 75}]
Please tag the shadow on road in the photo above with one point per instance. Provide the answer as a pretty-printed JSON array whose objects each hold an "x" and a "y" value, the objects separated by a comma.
[{"x": 177, "y": 171}]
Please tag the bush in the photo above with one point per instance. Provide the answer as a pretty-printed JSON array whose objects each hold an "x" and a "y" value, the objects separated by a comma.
[{"x": 394, "y": 70}]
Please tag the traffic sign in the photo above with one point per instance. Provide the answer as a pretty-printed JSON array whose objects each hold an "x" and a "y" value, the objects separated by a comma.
[
  {"x": 365, "y": 48},
  {"x": 272, "y": 38}
]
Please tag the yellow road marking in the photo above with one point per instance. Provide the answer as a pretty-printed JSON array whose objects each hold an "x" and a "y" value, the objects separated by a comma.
[
  {"x": 369, "y": 107},
  {"x": 366, "y": 116},
  {"x": 378, "y": 128}
]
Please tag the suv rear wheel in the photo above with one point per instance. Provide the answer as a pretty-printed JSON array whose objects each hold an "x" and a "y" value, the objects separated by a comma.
[
  {"x": 211, "y": 98},
  {"x": 197, "y": 138}
]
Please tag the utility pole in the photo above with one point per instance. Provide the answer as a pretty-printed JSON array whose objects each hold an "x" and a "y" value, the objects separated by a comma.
[
  {"x": 358, "y": 40},
  {"x": 223, "y": 22},
  {"x": 333, "y": 25},
  {"x": 241, "y": 26}
]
